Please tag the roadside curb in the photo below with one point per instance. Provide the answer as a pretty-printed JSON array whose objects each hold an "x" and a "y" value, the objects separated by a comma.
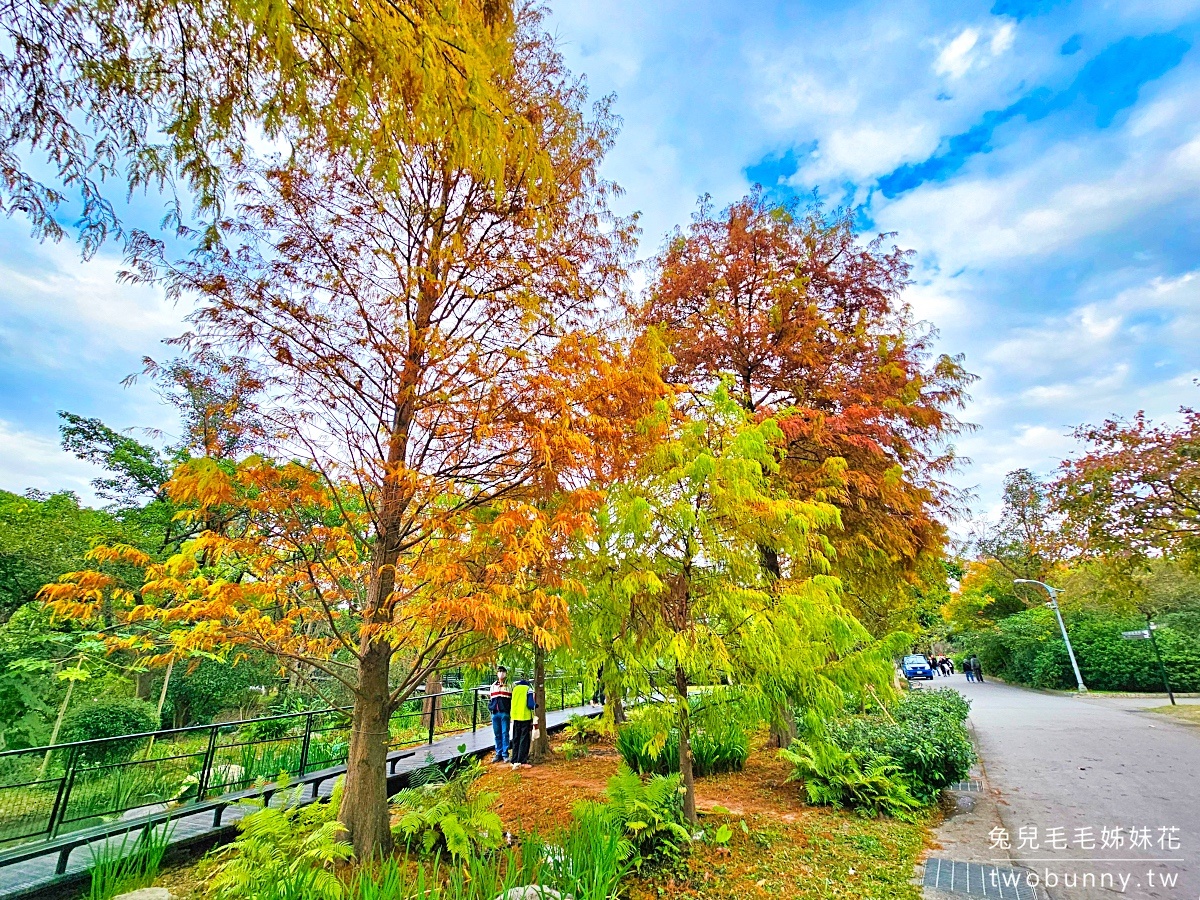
[
  {"x": 962, "y": 840},
  {"x": 1056, "y": 692}
]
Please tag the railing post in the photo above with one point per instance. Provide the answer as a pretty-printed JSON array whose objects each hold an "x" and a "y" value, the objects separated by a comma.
[
  {"x": 474, "y": 709},
  {"x": 562, "y": 695},
  {"x": 582, "y": 692},
  {"x": 304, "y": 746},
  {"x": 433, "y": 705},
  {"x": 206, "y": 768},
  {"x": 59, "y": 811}
]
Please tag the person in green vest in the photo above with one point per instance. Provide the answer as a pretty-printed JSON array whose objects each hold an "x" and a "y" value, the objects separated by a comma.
[{"x": 523, "y": 705}]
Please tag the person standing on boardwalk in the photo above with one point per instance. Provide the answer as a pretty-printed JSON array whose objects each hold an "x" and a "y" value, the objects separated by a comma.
[
  {"x": 500, "y": 706},
  {"x": 523, "y": 705}
]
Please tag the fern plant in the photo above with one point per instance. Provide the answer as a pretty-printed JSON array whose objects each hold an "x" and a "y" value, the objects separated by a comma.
[
  {"x": 650, "y": 813},
  {"x": 448, "y": 815},
  {"x": 834, "y": 777},
  {"x": 285, "y": 852},
  {"x": 582, "y": 730}
]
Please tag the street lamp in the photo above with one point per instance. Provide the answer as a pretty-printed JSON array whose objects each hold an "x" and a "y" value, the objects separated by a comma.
[{"x": 1053, "y": 604}]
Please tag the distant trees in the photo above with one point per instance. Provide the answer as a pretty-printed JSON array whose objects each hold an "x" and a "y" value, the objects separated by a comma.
[
  {"x": 1135, "y": 491},
  {"x": 43, "y": 536},
  {"x": 1117, "y": 530},
  {"x": 810, "y": 325}
]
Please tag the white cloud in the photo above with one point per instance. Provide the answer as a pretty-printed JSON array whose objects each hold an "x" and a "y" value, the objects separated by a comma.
[
  {"x": 955, "y": 59},
  {"x": 35, "y": 461},
  {"x": 1003, "y": 38},
  {"x": 61, "y": 312}
]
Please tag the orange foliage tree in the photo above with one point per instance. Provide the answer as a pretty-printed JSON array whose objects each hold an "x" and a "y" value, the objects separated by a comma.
[
  {"x": 809, "y": 323},
  {"x": 414, "y": 337}
]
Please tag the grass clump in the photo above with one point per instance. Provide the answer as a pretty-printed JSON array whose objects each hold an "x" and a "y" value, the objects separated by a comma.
[
  {"x": 129, "y": 865},
  {"x": 720, "y": 742}
]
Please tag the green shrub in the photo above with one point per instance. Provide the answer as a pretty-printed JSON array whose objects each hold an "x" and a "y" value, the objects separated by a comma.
[
  {"x": 644, "y": 748},
  {"x": 720, "y": 746},
  {"x": 929, "y": 707},
  {"x": 584, "y": 729},
  {"x": 927, "y": 743},
  {"x": 109, "y": 718},
  {"x": 1027, "y": 648},
  {"x": 211, "y": 686},
  {"x": 648, "y": 812},
  {"x": 837, "y": 778},
  {"x": 448, "y": 815}
]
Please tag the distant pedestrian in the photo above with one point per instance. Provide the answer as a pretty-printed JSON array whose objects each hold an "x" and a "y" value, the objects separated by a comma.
[
  {"x": 968, "y": 671},
  {"x": 950, "y": 664},
  {"x": 500, "y": 706},
  {"x": 598, "y": 693},
  {"x": 976, "y": 668},
  {"x": 523, "y": 705}
]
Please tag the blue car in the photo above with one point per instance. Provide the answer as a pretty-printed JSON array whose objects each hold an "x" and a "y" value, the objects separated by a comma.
[{"x": 916, "y": 666}]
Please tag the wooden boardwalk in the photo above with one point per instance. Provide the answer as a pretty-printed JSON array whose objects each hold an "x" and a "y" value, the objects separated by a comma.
[{"x": 37, "y": 877}]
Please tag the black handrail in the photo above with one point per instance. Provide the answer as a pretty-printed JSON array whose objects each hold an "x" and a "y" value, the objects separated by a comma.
[{"x": 48, "y": 808}]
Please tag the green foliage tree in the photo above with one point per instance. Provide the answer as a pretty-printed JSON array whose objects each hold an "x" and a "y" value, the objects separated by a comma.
[
  {"x": 43, "y": 536},
  {"x": 677, "y": 561}
]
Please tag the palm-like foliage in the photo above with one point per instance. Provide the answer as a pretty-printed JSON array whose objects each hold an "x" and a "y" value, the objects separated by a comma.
[{"x": 649, "y": 812}]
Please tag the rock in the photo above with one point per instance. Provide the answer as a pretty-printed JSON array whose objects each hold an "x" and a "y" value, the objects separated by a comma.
[
  {"x": 532, "y": 892},
  {"x": 151, "y": 893},
  {"x": 228, "y": 775}
]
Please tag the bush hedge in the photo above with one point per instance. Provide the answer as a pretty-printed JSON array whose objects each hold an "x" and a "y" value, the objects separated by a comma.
[
  {"x": 1027, "y": 648},
  {"x": 109, "y": 718},
  {"x": 927, "y": 742}
]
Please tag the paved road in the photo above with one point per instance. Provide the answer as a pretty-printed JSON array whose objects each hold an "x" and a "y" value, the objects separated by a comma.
[{"x": 1072, "y": 763}]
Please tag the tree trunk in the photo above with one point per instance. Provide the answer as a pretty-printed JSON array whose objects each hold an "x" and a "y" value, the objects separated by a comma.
[
  {"x": 541, "y": 747},
  {"x": 162, "y": 700},
  {"x": 614, "y": 703},
  {"x": 783, "y": 726},
  {"x": 364, "y": 809},
  {"x": 433, "y": 685},
  {"x": 62, "y": 711},
  {"x": 685, "y": 745}
]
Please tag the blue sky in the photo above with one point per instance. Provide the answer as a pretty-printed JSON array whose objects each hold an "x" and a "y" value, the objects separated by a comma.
[{"x": 1041, "y": 156}]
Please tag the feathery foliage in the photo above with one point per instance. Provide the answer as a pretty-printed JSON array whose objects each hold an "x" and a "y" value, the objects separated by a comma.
[
  {"x": 841, "y": 779},
  {"x": 285, "y": 852}
]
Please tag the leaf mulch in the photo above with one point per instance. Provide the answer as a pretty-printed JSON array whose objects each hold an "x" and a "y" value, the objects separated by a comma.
[{"x": 781, "y": 848}]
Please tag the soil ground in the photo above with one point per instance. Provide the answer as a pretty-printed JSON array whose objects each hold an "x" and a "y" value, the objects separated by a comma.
[{"x": 786, "y": 849}]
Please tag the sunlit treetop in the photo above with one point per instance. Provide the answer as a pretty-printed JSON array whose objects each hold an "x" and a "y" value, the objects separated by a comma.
[{"x": 162, "y": 94}]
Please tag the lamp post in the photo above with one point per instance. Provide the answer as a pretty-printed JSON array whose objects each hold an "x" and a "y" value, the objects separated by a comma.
[{"x": 1053, "y": 604}]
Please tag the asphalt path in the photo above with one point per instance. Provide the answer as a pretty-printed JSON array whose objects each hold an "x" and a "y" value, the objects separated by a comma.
[{"x": 1098, "y": 796}]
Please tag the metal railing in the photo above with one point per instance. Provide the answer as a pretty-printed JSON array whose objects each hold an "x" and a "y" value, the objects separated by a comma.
[{"x": 48, "y": 791}]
